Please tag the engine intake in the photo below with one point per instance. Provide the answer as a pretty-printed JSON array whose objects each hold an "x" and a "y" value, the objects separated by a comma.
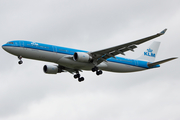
[
  {"x": 50, "y": 69},
  {"x": 82, "y": 57}
]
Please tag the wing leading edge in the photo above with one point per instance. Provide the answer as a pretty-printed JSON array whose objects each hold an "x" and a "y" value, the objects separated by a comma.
[{"x": 101, "y": 55}]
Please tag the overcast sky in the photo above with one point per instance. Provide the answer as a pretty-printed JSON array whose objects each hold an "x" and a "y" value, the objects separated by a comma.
[{"x": 26, "y": 93}]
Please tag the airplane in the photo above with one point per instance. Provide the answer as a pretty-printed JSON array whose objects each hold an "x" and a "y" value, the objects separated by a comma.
[{"x": 74, "y": 61}]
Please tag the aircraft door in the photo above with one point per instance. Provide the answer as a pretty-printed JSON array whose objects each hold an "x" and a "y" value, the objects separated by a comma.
[
  {"x": 136, "y": 62},
  {"x": 21, "y": 44},
  {"x": 55, "y": 49}
]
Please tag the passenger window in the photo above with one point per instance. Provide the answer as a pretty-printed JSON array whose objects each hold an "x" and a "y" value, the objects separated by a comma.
[{"x": 10, "y": 43}]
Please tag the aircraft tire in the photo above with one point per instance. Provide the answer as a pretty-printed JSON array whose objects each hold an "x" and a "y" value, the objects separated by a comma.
[
  {"x": 20, "y": 62},
  {"x": 81, "y": 79},
  {"x": 99, "y": 72},
  {"x": 94, "y": 69},
  {"x": 77, "y": 76}
]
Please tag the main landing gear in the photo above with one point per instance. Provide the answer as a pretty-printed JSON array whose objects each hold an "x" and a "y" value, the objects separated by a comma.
[
  {"x": 20, "y": 60},
  {"x": 98, "y": 72},
  {"x": 80, "y": 79}
]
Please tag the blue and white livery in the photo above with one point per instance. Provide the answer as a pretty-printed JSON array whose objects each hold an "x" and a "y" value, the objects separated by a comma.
[{"x": 74, "y": 61}]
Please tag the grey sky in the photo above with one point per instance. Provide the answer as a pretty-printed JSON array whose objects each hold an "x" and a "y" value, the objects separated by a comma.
[{"x": 27, "y": 93}]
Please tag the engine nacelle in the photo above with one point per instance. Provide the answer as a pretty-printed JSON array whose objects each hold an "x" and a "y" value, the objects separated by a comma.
[
  {"x": 82, "y": 57},
  {"x": 50, "y": 69}
]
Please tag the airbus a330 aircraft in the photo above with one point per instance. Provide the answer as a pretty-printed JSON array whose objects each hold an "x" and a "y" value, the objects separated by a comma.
[{"x": 74, "y": 61}]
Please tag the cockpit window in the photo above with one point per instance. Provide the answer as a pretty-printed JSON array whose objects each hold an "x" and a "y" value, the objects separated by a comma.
[{"x": 10, "y": 43}]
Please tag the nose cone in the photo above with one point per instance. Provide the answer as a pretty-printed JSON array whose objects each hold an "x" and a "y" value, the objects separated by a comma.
[
  {"x": 3, "y": 46},
  {"x": 8, "y": 49}
]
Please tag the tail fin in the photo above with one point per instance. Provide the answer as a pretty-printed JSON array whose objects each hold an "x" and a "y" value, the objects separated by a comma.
[{"x": 150, "y": 53}]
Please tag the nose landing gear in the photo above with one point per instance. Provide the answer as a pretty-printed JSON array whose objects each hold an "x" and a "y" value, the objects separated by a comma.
[{"x": 20, "y": 60}]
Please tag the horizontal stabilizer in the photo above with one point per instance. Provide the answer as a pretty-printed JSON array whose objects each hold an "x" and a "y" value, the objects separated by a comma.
[
  {"x": 162, "y": 32},
  {"x": 160, "y": 62}
]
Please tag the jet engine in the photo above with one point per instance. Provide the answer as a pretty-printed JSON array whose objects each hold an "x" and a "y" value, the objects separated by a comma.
[
  {"x": 82, "y": 57},
  {"x": 50, "y": 69}
]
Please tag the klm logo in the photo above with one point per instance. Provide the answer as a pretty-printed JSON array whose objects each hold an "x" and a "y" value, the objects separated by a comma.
[
  {"x": 34, "y": 43},
  {"x": 149, "y": 53}
]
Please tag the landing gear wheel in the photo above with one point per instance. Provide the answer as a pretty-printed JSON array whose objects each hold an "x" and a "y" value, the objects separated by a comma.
[
  {"x": 81, "y": 79},
  {"x": 94, "y": 69},
  {"x": 20, "y": 62},
  {"x": 77, "y": 76},
  {"x": 99, "y": 72}
]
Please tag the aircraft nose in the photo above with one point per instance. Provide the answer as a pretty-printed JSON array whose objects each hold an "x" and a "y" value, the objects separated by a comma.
[{"x": 3, "y": 47}]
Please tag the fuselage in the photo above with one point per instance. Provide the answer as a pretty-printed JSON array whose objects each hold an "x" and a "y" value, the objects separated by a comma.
[{"x": 63, "y": 56}]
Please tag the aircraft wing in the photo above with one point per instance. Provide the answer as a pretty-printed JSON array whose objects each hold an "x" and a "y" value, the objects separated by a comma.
[{"x": 101, "y": 55}]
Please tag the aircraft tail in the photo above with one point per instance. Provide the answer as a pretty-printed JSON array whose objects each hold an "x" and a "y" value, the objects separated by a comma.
[{"x": 151, "y": 52}]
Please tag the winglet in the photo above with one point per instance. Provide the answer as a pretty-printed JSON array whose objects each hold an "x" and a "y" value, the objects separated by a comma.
[{"x": 162, "y": 32}]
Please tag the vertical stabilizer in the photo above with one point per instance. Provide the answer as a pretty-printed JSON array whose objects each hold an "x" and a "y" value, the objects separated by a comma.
[{"x": 151, "y": 52}]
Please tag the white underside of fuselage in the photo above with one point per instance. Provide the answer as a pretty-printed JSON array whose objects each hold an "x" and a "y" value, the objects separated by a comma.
[{"x": 67, "y": 61}]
